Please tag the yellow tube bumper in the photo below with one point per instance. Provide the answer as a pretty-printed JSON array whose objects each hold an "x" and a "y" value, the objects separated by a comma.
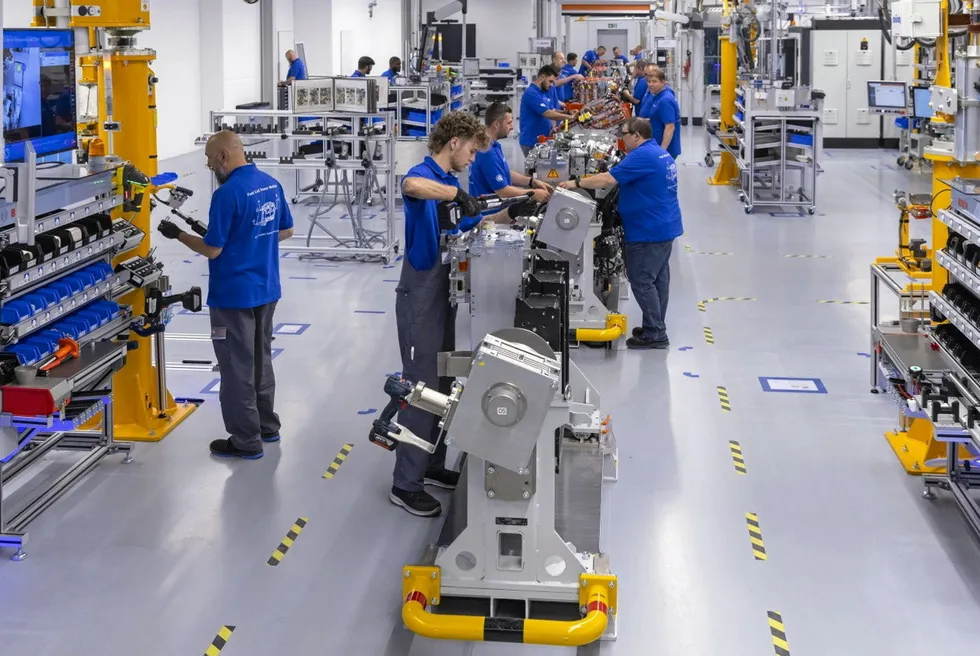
[
  {"x": 421, "y": 585},
  {"x": 615, "y": 328}
]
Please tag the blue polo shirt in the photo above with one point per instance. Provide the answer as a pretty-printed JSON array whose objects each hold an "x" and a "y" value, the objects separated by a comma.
[
  {"x": 647, "y": 180},
  {"x": 490, "y": 171},
  {"x": 390, "y": 74},
  {"x": 622, "y": 58},
  {"x": 554, "y": 97},
  {"x": 357, "y": 74},
  {"x": 638, "y": 56},
  {"x": 591, "y": 57},
  {"x": 640, "y": 91},
  {"x": 567, "y": 92},
  {"x": 662, "y": 109},
  {"x": 297, "y": 70},
  {"x": 247, "y": 213},
  {"x": 422, "y": 218},
  {"x": 534, "y": 104}
]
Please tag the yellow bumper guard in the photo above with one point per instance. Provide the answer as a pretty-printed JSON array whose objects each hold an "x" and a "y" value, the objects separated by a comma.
[{"x": 615, "y": 328}]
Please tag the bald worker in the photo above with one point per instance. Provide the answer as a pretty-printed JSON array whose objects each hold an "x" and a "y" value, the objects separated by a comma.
[
  {"x": 249, "y": 216},
  {"x": 297, "y": 69}
]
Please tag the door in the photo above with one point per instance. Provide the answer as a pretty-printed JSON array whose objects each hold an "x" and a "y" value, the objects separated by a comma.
[
  {"x": 829, "y": 57},
  {"x": 612, "y": 38}
]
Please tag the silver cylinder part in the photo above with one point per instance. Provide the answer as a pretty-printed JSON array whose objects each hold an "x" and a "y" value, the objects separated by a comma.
[
  {"x": 429, "y": 400},
  {"x": 504, "y": 405}
]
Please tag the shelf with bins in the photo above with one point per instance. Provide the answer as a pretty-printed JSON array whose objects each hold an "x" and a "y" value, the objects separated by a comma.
[{"x": 966, "y": 321}]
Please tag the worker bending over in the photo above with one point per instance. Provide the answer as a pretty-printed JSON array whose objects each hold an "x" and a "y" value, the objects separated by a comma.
[
  {"x": 364, "y": 66},
  {"x": 561, "y": 90},
  {"x": 297, "y": 69},
  {"x": 637, "y": 53},
  {"x": 536, "y": 110},
  {"x": 651, "y": 215},
  {"x": 426, "y": 320},
  {"x": 394, "y": 69},
  {"x": 491, "y": 174},
  {"x": 590, "y": 58},
  {"x": 249, "y": 216},
  {"x": 663, "y": 111}
]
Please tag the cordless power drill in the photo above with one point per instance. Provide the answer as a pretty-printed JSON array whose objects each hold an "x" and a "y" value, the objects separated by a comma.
[
  {"x": 450, "y": 213},
  {"x": 398, "y": 391}
]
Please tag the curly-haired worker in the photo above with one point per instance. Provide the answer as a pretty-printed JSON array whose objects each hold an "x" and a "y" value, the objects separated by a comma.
[{"x": 426, "y": 320}]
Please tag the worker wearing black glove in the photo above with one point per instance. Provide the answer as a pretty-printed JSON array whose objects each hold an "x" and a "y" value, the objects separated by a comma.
[
  {"x": 527, "y": 207},
  {"x": 170, "y": 230},
  {"x": 468, "y": 205}
]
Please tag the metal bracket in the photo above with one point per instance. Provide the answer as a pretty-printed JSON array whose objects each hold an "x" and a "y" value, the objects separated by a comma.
[
  {"x": 427, "y": 580},
  {"x": 454, "y": 364}
]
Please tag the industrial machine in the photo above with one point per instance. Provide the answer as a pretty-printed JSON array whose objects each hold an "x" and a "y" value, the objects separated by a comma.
[
  {"x": 535, "y": 443},
  {"x": 83, "y": 304}
]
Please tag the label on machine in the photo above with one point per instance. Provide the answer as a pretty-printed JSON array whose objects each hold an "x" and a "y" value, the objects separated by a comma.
[{"x": 511, "y": 521}]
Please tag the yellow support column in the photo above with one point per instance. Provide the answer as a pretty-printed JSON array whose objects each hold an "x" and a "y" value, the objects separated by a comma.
[{"x": 727, "y": 168}]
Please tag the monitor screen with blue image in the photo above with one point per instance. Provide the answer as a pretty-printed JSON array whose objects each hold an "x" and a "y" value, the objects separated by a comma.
[
  {"x": 921, "y": 97},
  {"x": 39, "y": 92}
]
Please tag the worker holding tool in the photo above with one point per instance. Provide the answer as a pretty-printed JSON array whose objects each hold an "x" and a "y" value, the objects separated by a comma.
[
  {"x": 590, "y": 58},
  {"x": 561, "y": 90},
  {"x": 249, "y": 216},
  {"x": 491, "y": 174},
  {"x": 536, "y": 110},
  {"x": 426, "y": 320},
  {"x": 647, "y": 180},
  {"x": 569, "y": 71}
]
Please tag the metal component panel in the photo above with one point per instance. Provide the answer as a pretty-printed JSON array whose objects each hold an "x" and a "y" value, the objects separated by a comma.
[
  {"x": 503, "y": 373},
  {"x": 496, "y": 268},
  {"x": 967, "y": 126},
  {"x": 508, "y": 485},
  {"x": 567, "y": 221}
]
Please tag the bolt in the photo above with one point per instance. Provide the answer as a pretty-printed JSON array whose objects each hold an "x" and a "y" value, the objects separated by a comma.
[
  {"x": 915, "y": 465},
  {"x": 583, "y": 583},
  {"x": 435, "y": 601},
  {"x": 408, "y": 574},
  {"x": 612, "y": 584},
  {"x": 491, "y": 494},
  {"x": 491, "y": 470},
  {"x": 526, "y": 495},
  {"x": 582, "y": 609},
  {"x": 448, "y": 441},
  {"x": 433, "y": 576}
]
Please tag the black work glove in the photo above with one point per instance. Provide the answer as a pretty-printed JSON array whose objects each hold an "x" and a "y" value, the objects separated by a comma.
[
  {"x": 526, "y": 207},
  {"x": 468, "y": 205},
  {"x": 169, "y": 229}
]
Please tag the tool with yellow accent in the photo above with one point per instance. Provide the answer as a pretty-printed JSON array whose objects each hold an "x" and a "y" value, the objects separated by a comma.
[{"x": 505, "y": 544}]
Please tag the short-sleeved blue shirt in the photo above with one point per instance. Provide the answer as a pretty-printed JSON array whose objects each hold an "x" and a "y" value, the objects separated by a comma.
[
  {"x": 662, "y": 109},
  {"x": 534, "y": 104},
  {"x": 422, "y": 217},
  {"x": 567, "y": 92},
  {"x": 297, "y": 70},
  {"x": 591, "y": 57},
  {"x": 640, "y": 91},
  {"x": 247, "y": 213},
  {"x": 648, "y": 204},
  {"x": 357, "y": 74},
  {"x": 554, "y": 96},
  {"x": 638, "y": 56},
  {"x": 490, "y": 171},
  {"x": 622, "y": 58},
  {"x": 390, "y": 74}
]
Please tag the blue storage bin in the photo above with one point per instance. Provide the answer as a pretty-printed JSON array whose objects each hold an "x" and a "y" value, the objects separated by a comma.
[
  {"x": 15, "y": 312},
  {"x": 62, "y": 288},
  {"x": 36, "y": 302},
  {"x": 457, "y": 105},
  {"x": 902, "y": 122},
  {"x": 68, "y": 329},
  {"x": 26, "y": 353},
  {"x": 87, "y": 277},
  {"x": 456, "y": 90},
  {"x": 740, "y": 116},
  {"x": 102, "y": 269},
  {"x": 802, "y": 139},
  {"x": 81, "y": 325},
  {"x": 95, "y": 319},
  {"x": 74, "y": 284},
  {"x": 416, "y": 132},
  {"x": 419, "y": 117},
  {"x": 50, "y": 295},
  {"x": 44, "y": 347},
  {"x": 111, "y": 309}
]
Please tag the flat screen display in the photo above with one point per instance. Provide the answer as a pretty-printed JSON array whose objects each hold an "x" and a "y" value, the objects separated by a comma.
[
  {"x": 921, "y": 96},
  {"x": 887, "y": 95},
  {"x": 38, "y": 92}
]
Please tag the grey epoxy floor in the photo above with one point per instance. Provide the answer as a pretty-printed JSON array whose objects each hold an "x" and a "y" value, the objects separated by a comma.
[{"x": 155, "y": 557}]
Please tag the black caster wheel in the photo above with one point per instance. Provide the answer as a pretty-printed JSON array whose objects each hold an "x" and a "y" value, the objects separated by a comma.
[
  {"x": 901, "y": 160},
  {"x": 748, "y": 209},
  {"x": 909, "y": 164},
  {"x": 295, "y": 201},
  {"x": 875, "y": 390},
  {"x": 709, "y": 161},
  {"x": 811, "y": 211}
]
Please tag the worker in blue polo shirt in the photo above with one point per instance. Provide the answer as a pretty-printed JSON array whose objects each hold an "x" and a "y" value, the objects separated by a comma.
[
  {"x": 618, "y": 56},
  {"x": 569, "y": 72},
  {"x": 640, "y": 88},
  {"x": 364, "y": 66},
  {"x": 637, "y": 53},
  {"x": 537, "y": 112},
  {"x": 425, "y": 318},
  {"x": 394, "y": 69},
  {"x": 491, "y": 174},
  {"x": 590, "y": 58},
  {"x": 297, "y": 69},
  {"x": 249, "y": 216},
  {"x": 663, "y": 111},
  {"x": 651, "y": 215},
  {"x": 561, "y": 91}
]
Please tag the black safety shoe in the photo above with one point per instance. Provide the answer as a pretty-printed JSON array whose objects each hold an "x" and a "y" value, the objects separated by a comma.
[
  {"x": 447, "y": 479},
  {"x": 638, "y": 332},
  {"x": 644, "y": 343},
  {"x": 420, "y": 503},
  {"x": 225, "y": 449},
  {"x": 270, "y": 438}
]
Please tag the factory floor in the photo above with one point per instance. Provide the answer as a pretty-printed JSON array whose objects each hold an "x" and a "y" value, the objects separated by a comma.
[{"x": 154, "y": 558}]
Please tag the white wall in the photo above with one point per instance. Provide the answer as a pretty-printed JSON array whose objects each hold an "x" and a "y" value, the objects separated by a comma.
[
  {"x": 503, "y": 27},
  {"x": 356, "y": 35},
  {"x": 314, "y": 28},
  {"x": 175, "y": 34},
  {"x": 242, "y": 50},
  {"x": 17, "y": 13},
  {"x": 583, "y": 35}
]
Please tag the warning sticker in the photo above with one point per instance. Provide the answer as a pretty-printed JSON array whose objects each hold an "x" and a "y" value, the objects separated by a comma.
[{"x": 553, "y": 174}]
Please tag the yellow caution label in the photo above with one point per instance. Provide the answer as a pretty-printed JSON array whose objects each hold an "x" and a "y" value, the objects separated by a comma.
[
  {"x": 737, "y": 457},
  {"x": 755, "y": 536},
  {"x": 219, "y": 641},
  {"x": 287, "y": 542},
  {"x": 778, "y": 632},
  {"x": 709, "y": 336},
  {"x": 726, "y": 405},
  {"x": 553, "y": 174},
  {"x": 338, "y": 461},
  {"x": 703, "y": 305}
]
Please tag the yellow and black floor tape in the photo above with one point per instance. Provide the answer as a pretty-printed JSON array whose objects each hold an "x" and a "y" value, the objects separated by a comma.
[
  {"x": 703, "y": 305},
  {"x": 287, "y": 542},
  {"x": 220, "y": 641},
  {"x": 737, "y": 456},
  {"x": 808, "y": 257},
  {"x": 755, "y": 536},
  {"x": 844, "y": 302},
  {"x": 691, "y": 250},
  {"x": 778, "y": 631},
  {"x": 709, "y": 336},
  {"x": 338, "y": 461},
  {"x": 726, "y": 404}
]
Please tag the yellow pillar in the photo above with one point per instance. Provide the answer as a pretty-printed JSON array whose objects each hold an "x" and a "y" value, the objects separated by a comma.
[{"x": 727, "y": 168}]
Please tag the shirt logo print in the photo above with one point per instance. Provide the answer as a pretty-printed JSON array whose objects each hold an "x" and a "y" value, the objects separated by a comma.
[
  {"x": 500, "y": 178},
  {"x": 266, "y": 214}
]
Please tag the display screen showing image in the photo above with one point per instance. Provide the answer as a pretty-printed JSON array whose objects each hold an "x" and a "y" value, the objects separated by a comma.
[
  {"x": 921, "y": 97},
  {"x": 887, "y": 95},
  {"x": 39, "y": 92}
]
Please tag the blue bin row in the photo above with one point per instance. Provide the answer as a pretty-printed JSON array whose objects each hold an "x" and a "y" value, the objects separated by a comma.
[
  {"x": 62, "y": 289},
  {"x": 455, "y": 91},
  {"x": 456, "y": 106},
  {"x": 419, "y": 117},
  {"x": 802, "y": 139},
  {"x": 76, "y": 325}
]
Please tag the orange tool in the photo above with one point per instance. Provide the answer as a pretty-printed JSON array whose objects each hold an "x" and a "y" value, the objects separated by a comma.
[{"x": 67, "y": 349}]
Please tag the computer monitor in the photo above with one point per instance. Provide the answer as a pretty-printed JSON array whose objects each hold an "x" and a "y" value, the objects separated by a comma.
[
  {"x": 888, "y": 97},
  {"x": 39, "y": 92},
  {"x": 921, "y": 96}
]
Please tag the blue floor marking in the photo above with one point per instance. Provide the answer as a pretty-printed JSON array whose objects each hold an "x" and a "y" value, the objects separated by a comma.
[
  {"x": 369, "y": 312},
  {"x": 369, "y": 411},
  {"x": 865, "y": 355},
  {"x": 276, "y": 353},
  {"x": 188, "y": 262},
  {"x": 686, "y": 348},
  {"x": 395, "y": 281},
  {"x": 389, "y": 266},
  {"x": 396, "y": 374},
  {"x": 290, "y": 328},
  {"x": 214, "y": 387},
  {"x": 792, "y": 385},
  {"x": 690, "y": 375},
  {"x": 399, "y": 258}
]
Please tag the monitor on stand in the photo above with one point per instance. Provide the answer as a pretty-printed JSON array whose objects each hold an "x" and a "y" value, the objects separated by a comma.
[{"x": 888, "y": 97}]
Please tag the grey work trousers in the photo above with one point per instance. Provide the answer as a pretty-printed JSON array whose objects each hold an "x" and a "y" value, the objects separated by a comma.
[
  {"x": 242, "y": 340},
  {"x": 426, "y": 326}
]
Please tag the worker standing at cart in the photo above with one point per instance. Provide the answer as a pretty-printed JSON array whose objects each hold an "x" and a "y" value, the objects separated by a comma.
[
  {"x": 561, "y": 90},
  {"x": 297, "y": 69},
  {"x": 248, "y": 218},
  {"x": 491, "y": 174},
  {"x": 364, "y": 66},
  {"x": 536, "y": 110},
  {"x": 425, "y": 318},
  {"x": 394, "y": 69},
  {"x": 619, "y": 57},
  {"x": 639, "y": 92},
  {"x": 651, "y": 215},
  {"x": 590, "y": 58},
  {"x": 663, "y": 111}
]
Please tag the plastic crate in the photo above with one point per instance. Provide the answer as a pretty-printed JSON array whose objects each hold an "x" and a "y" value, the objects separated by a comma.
[
  {"x": 419, "y": 117},
  {"x": 802, "y": 139}
]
